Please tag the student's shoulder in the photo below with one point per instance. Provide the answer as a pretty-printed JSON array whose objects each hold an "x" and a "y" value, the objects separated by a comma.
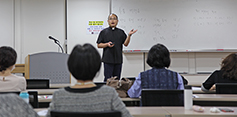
[
  {"x": 18, "y": 77},
  {"x": 217, "y": 72},
  {"x": 60, "y": 91}
]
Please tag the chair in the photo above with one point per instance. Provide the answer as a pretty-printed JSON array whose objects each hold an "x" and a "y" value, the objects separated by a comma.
[
  {"x": 86, "y": 114},
  {"x": 37, "y": 83},
  {"x": 160, "y": 97},
  {"x": 33, "y": 97},
  {"x": 226, "y": 88}
]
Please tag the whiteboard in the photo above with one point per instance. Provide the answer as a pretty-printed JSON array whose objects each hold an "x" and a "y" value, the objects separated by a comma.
[{"x": 179, "y": 24}]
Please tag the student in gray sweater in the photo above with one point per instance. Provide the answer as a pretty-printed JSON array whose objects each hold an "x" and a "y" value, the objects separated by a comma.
[
  {"x": 83, "y": 63},
  {"x": 14, "y": 106}
]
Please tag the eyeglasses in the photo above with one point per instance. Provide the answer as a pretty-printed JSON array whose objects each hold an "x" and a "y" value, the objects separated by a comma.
[{"x": 112, "y": 18}]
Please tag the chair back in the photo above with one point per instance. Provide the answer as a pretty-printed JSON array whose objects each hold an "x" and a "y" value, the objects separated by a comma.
[
  {"x": 100, "y": 83},
  {"x": 161, "y": 97},
  {"x": 33, "y": 97},
  {"x": 86, "y": 114},
  {"x": 37, "y": 83},
  {"x": 226, "y": 88}
]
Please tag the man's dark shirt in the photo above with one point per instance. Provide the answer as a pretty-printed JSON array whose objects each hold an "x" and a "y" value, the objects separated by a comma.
[{"x": 117, "y": 36}]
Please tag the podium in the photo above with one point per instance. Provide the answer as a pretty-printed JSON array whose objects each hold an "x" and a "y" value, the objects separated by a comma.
[{"x": 48, "y": 65}]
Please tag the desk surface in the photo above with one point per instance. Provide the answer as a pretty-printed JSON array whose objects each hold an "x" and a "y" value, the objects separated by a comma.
[
  {"x": 51, "y": 90},
  {"x": 181, "y": 112},
  {"x": 201, "y": 97},
  {"x": 216, "y": 97},
  {"x": 172, "y": 111},
  {"x": 44, "y": 91},
  {"x": 48, "y": 98}
]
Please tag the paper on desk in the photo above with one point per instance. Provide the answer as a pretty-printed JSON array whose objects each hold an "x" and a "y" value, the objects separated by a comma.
[
  {"x": 196, "y": 88},
  {"x": 42, "y": 113},
  {"x": 46, "y": 97}
]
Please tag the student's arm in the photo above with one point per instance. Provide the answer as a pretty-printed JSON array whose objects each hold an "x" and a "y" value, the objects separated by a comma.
[
  {"x": 135, "y": 90},
  {"x": 128, "y": 37},
  {"x": 180, "y": 82},
  {"x": 206, "y": 86}
]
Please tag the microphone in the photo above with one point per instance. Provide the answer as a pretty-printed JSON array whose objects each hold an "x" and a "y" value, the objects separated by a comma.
[{"x": 55, "y": 40}]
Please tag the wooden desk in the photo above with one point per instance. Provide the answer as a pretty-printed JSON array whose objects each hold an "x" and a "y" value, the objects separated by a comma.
[
  {"x": 203, "y": 99},
  {"x": 19, "y": 68},
  {"x": 215, "y": 100},
  {"x": 137, "y": 111},
  {"x": 41, "y": 98},
  {"x": 216, "y": 97},
  {"x": 172, "y": 111},
  {"x": 51, "y": 91},
  {"x": 148, "y": 112},
  {"x": 181, "y": 112},
  {"x": 44, "y": 91}
]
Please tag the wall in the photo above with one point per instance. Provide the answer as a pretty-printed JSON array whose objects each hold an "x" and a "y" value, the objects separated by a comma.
[{"x": 34, "y": 21}]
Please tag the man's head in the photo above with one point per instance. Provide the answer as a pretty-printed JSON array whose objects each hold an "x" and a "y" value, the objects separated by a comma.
[{"x": 113, "y": 20}]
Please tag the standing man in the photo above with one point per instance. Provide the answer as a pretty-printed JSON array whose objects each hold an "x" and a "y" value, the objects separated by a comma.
[{"x": 112, "y": 39}]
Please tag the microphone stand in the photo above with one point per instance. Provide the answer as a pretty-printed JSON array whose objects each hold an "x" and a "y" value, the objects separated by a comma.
[{"x": 57, "y": 42}]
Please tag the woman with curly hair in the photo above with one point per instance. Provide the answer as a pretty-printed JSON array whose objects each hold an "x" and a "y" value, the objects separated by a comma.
[
  {"x": 227, "y": 73},
  {"x": 8, "y": 81}
]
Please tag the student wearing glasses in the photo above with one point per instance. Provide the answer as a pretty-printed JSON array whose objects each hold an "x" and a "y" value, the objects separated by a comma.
[{"x": 112, "y": 39}]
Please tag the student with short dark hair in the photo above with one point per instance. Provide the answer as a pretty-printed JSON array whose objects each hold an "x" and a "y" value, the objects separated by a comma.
[
  {"x": 227, "y": 73},
  {"x": 8, "y": 81},
  {"x": 159, "y": 77},
  {"x": 83, "y": 63}
]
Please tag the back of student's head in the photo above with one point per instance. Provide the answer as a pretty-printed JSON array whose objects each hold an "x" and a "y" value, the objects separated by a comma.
[
  {"x": 158, "y": 56},
  {"x": 229, "y": 66},
  {"x": 7, "y": 57},
  {"x": 84, "y": 62}
]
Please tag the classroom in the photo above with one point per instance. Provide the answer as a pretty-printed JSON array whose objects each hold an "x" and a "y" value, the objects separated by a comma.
[{"x": 198, "y": 33}]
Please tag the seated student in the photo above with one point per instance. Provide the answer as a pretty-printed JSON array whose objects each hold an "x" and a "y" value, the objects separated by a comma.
[
  {"x": 158, "y": 77},
  {"x": 14, "y": 106},
  {"x": 227, "y": 73},
  {"x": 83, "y": 63},
  {"x": 8, "y": 81}
]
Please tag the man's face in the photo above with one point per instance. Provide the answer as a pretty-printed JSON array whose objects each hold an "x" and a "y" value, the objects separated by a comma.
[{"x": 112, "y": 21}]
